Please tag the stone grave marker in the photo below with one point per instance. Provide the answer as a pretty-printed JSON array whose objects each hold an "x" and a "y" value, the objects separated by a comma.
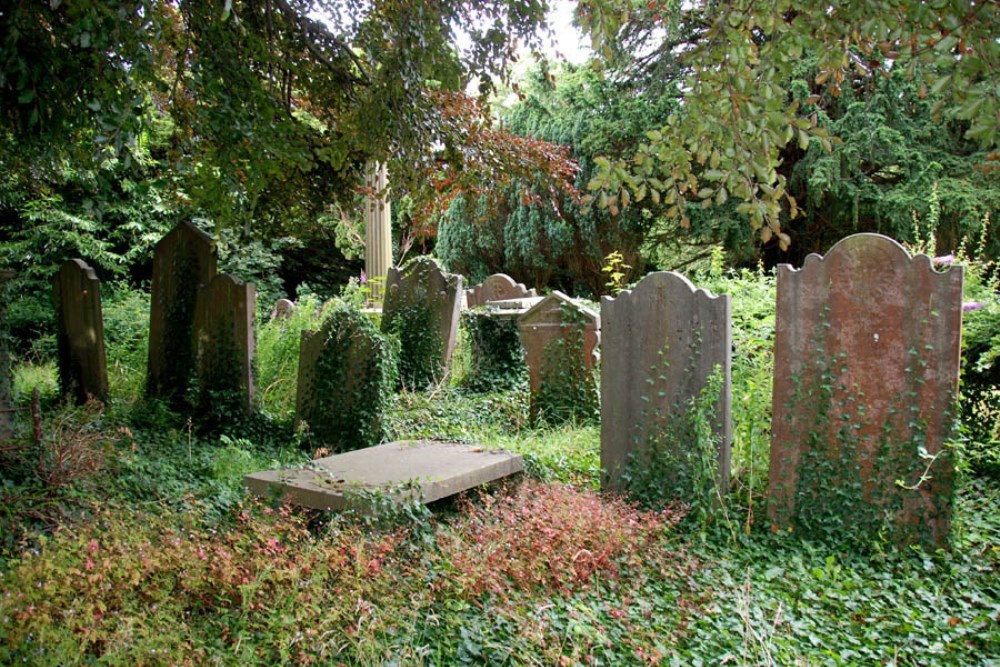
[
  {"x": 225, "y": 324},
  {"x": 498, "y": 287},
  {"x": 422, "y": 304},
  {"x": 183, "y": 263},
  {"x": 283, "y": 309},
  {"x": 661, "y": 344},
  {"x": 83, "y": 370},
  {"x": 347, "y": 373},
  {"x": 867, "y": 354},
  {"x": 560, "y": 347}
]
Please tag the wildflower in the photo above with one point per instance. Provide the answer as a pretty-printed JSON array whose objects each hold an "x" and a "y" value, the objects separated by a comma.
[
  {"x": 943, "y": 260},
  {"x": 363, "y": 279},
  {"x": 972, "y": 305}
]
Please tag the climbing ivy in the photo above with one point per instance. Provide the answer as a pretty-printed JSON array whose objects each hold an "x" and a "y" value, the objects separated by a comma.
[
  {"x": 497, "y": 358},
  {"x": 421, "y": 350},
  {"x": 568, "y": 389},
  {"x": 352, "y": 384}
]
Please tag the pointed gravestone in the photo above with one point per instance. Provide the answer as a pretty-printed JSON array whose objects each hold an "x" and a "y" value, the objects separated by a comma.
[
  {"x": 421, "y": 307},
  {"x": 225, "y": 325},
  {"x": 83, "y": 369},
  {"x": 866, "y": 377},
  {"x": 183, "y": 263},
  {"x": 560, "y": 341},
  {"x": 498, "y": 287},
  {"x": 661, "y": 345},
  {"x": 347, "y": 375}
]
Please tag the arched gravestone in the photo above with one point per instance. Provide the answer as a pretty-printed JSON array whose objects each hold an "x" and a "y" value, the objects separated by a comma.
[
  {"x": 560, "y": 341},
  {"x": 498, "y": 287},
  {"x": 225, "y": 325},
  {"x": 283, "y": 309},
  {"x": 83, "y": 370},
  {"x": 661, "y": 342},
  {"x": 183, "y": 262},
  {"x": 421, "y": 306},
  {"x": 866, "y": 377}
]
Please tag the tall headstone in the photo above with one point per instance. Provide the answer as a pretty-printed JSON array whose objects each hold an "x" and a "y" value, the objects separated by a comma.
[
  {"x": 183, "y": 263},
  {"x": 661, "y": 343},
  {"x": 560, "y": 341},
  {"x": 225, "y": 325},
  {"x": 378, "y": 228},
  {"x": 83, "y": 370},
  {"x": 865, "y": 386},
  {"x": 421, "y": 307},
  {"x": 347, "y": 374},
  {"x": 6, "y": 401},
  {"x": 498, "y": 287}
]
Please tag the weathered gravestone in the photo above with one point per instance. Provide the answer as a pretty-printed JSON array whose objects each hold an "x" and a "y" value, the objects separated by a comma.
[
  {"x": 560, "y": 341},
  {"x": 665, "y": 353},
  {"x": 421, "y": 307},
  {"x": 183, "y": 263},
  {"x": 6, "y": 423},
  {"x": 83, "y": 370},
  {"x": 283, "y": 309},
  {"x": 225, "y": 325},
  {"x": 498, "y": 287},
  {"x": 865, "y": 385},
  {"x": 347, "y": 375}
]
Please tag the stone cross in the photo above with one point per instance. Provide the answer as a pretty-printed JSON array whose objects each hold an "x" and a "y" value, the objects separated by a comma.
[
  {"x": 498, "y": 287},
  {"x": 183, "y": 263},
  {"x": 867, "y": 353},
  {"x": 83, "y": 369},
  {"x": 660, "y": 344},
  {"x": 558, "y": 326},
  {"x": 422, "y": 295},
  {"x": 225, "y": 325}
]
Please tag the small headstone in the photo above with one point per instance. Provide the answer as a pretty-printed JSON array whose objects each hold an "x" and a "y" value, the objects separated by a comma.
[
  {"x": 183, "y": 263},
  {"x": 283, "y": 309},
  {"x": 410, "y": 470},
  {"x": 865, "y": 386},
  {"x": 661, "y": 343},
  {"x": 421, "y": 306},
  {"x": 560, "y": 347},
  {"x": 225, "y": 324},
  {"x": 83, "y": 369},
  {"x": 347, "y": 373},
  {"x": 498, "y": 287}
]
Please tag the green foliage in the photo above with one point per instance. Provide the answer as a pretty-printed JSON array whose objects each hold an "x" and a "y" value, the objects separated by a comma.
[
  {"x": 568, "y": 388},
  {"x": 421, "y": 350},
  {"x": 496, "y": 356},
  {"x": 352, "y": 384},
  {"x": 126, "y": 339},
  {"x": 278, "y": 342},
  {"x": 680, "y": 463}
]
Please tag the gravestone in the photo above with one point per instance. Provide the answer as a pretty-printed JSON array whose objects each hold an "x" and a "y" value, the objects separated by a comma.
[
  {"x": 661, "y": 343},
  {"x": 347, "y": 374},
  {"x": 83, "y": 369},
  {"x": 498, "y": 287},
  {"x": 560, "y": 348},
  {"x": 421, "y": 307},
  {"x": 225, "y": 325},
  {"x": 183, "y": 263},
  {"x": 6, "y": 401},
  {"x": 866, "y": 378},
  {"x": 283, "y": 309}
]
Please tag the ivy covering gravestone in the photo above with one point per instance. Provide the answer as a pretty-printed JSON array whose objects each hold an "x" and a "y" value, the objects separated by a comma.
[
  {"x": 184, "y": 262},
  {"x": 665, "y": 356},
  {"x": 225, "y": 324},
  {"x": 560, "y": 341},
  {"x": 421, "y": 309},
  {"x": 867, "y": 352},
  {"x": 83, "y": 370},
  {"x": 497, "y": 287},
  {"x": 347, "y": 378},
  {"x": 496, "y": 359}
]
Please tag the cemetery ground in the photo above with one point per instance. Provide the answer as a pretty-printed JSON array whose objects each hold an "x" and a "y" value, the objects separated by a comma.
[{"x": 127, "y": 538}]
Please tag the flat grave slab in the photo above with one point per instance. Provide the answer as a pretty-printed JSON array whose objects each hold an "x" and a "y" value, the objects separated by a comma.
[{"x": 433, "y": 469}]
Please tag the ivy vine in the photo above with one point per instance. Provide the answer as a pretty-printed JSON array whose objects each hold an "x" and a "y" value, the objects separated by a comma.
[
  {"x": 568, "y": 389},
  {"x": 497, "y": 357}
]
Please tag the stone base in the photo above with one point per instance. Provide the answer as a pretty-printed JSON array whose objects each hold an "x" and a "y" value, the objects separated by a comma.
[{"x": 408, "y": 470}]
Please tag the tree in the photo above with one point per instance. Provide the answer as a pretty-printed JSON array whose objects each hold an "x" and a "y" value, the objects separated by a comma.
[{"x": 738, "y": 115}]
